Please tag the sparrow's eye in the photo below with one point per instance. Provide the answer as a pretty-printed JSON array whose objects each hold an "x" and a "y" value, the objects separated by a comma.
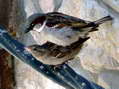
[
  {"x": 38, "y": 48},
  {"x": 34, "y": 48},
  {"x": 32, "y": 24}
]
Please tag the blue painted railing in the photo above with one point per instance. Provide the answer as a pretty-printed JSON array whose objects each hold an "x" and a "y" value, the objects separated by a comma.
[{"x": 65, "y": 76}]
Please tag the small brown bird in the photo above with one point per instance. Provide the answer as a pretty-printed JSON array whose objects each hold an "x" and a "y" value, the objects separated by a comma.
[
  {"x": 52, "y": 54},
  {"x": 63, "y": 29},
  {"x": 64, "y": 36}
]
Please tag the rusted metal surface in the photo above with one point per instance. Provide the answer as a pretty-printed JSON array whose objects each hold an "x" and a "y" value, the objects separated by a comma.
[
  {"x": 6, "y": 71},
  {"x": 7, "y": 19}
]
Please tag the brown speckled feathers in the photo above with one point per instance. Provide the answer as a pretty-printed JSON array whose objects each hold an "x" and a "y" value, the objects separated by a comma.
[{"x": 61, "y": 53}]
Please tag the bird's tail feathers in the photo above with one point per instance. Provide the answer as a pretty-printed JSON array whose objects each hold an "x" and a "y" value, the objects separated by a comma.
[{"x": 102, "y": 20}]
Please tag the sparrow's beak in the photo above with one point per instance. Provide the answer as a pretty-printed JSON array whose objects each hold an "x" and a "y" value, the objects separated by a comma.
[
  {"x": 28, "y": 30},
  {"x": 28, "y": 49}
]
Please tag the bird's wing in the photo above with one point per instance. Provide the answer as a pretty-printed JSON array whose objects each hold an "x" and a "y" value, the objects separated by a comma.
[
  {"x": 60, "y": 20},
  {"x": 60, "y": 51}
]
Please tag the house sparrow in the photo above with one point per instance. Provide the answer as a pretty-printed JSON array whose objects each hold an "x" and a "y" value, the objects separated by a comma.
[
  {"x": 62, "y": 29},
  {"x": 64, "y": 36},
  {"x": 52, "y": 54}
]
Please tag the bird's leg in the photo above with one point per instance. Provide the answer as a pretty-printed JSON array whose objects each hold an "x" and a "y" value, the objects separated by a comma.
[{"x": 56, "y": 67}]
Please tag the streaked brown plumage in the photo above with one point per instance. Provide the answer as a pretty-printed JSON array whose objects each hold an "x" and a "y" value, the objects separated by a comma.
[
  {"x": 63, "y": 29},
  {"x": 63, "y": 34},
  {"x": 52, "y": 54}
]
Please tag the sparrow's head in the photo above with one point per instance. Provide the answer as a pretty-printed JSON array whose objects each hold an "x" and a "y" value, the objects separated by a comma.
[
  {"x": 36, "y": 22},
  {"x": 37, "y": 50}
]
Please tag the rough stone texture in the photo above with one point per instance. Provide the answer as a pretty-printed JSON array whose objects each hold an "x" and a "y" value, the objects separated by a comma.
[
  {"x": 28, "y": 78},
  {"x": 109, "y": 79},
  {"x": 101, "y": 51},
  {"x": 99, "y": 57}
]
